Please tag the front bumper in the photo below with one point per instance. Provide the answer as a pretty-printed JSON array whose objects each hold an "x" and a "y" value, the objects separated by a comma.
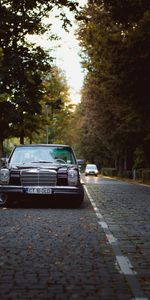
[
  {"x": 55, "y": 190},
  {"x": 91, "y": 173}
]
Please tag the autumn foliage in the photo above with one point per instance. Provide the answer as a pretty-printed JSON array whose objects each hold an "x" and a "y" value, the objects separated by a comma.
[{"x": 115, "y": 108}]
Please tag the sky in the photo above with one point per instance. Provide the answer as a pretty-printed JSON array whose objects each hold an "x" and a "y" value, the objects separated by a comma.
[
  {"x": 67, "y": 52},
  {"x": 68, "y": 58}
]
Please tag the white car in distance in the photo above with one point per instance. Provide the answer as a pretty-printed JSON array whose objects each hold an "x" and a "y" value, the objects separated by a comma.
[{"x": 91, "y": 169}]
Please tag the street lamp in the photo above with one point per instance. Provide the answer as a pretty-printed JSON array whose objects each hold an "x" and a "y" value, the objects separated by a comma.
[
  {"x": 54, "y": 128},
  {"x": 55, "y": 105},
  {"x": 46, "y": 107}
]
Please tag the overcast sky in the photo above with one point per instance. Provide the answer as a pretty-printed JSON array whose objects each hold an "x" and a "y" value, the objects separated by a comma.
[{"x": 67, "y": 56}]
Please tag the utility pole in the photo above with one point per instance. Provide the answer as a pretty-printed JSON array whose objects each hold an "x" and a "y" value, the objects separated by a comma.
[
  {"x": 55, "y": 105},
  {"x": 46, "y": 106}
]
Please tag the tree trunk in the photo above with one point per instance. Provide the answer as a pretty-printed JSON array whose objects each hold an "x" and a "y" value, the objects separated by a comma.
[
  {"x": 125, "y": 161},
  {"x": 1, "y": 150},
  {"x": 22, "y": 137},
  {"x": 120, "y": 169},
  {"x": 116, "y": 164}
]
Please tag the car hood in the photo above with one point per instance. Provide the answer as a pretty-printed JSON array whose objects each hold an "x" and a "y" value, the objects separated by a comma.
[{"x": 41, "y": 166}]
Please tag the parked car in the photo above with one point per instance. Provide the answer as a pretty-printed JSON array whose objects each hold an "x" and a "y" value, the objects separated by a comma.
[
  {"x": 91, "y": 169},
  {"x": 50, "y": 171}
]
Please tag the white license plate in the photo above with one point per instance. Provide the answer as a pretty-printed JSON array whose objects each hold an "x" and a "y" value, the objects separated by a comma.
[{"x": 38, "y": 190}]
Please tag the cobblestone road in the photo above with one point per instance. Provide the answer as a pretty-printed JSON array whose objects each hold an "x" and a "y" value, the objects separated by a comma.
[
  {"x": 59, "y": 253},
  {"x": 126, "y": 210}
]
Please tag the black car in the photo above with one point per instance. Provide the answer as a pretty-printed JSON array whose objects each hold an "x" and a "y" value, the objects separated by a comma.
[{"x": 48, "y": 171}]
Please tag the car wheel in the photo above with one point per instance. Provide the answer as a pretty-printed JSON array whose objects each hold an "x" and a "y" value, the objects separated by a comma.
[{"x": 5, "y": 200}]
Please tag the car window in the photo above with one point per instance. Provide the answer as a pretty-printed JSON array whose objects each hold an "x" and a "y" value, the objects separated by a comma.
[
  {"x": 91, "y": 167},
  {"x": 22, "y": 155},
  {"x": 64, "y": 154}
]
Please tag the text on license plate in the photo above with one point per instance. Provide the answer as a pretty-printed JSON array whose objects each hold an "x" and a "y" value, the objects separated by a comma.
[{"x": 38, "y": 190}]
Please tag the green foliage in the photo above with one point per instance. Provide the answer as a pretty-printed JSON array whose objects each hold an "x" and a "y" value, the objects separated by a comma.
[
  {"x": 146, "y": 176},
  {"x": 127, "y": 12},
  {"x": 22, "y": 64},
  {"x": 109, "y": 172},
  {"x": 56, "y": 108},
  {"x": 138, "y": 158},
  {"x": 115, "y": 98},
  {"x": 1, "y": 56}
]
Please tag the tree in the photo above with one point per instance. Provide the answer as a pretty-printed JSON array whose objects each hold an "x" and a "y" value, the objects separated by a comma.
[
  {"x": 23, "y": 63},
  {"x": 56, "y": 108},
  {"x": 96, "y": 36},
  {"x": 131, "y": 68},
  {"x": 115, "y": 95}
]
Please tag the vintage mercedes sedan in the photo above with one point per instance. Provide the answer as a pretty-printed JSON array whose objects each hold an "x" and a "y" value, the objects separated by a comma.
[{"x": 43, "y": 170}]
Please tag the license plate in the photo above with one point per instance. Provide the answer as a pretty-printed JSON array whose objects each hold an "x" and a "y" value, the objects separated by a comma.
[{"x": 38, "y": 190}]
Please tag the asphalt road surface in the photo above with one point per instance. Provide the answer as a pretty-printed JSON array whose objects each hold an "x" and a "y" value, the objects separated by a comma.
[{"x": 98, "y": 251}]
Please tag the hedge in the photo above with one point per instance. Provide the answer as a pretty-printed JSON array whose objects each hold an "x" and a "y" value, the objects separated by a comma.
[
  {"x": 146, "y": 176},
  {"x": 140, "y": 174},
  {"x": 109, "y": 172}
]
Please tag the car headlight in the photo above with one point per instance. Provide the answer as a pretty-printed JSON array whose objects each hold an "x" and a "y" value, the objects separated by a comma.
[
  {"x": 4, "y": 176},
  {"x": 72, "y": 177}
]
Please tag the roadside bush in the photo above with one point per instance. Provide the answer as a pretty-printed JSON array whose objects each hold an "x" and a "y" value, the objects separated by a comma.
[
  {"x": 146, "y": 176},
  {"x": 142, "y": 174},
  {"x": 127, "y": 174},
  {"x": 138, "y": 174},
  {"x": 109, "y": 172}
]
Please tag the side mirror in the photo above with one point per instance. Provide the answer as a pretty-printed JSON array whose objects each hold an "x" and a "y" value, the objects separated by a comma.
[
  {"x": 80, "y": 162},
  {"x": 80, "y": 167},
  {"x": 4, "y": 161}
]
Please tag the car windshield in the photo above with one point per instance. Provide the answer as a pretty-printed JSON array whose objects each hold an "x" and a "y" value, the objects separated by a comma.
[
  {"x": 42, "y": 154},
  {"x": 91, "y": 167}
]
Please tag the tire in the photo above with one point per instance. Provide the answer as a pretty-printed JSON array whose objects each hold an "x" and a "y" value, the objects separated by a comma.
[{"x": 5, "y": 201}]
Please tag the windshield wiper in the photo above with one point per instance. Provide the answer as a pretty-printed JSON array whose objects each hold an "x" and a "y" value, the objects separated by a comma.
[{"x": 41, "y": 161}]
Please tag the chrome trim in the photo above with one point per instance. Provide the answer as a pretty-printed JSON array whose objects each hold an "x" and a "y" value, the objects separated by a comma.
[{"x": 38, "y": 177}]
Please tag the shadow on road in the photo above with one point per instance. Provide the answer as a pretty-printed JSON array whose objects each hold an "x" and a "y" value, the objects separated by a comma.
[{"x": 47, "y": 203}]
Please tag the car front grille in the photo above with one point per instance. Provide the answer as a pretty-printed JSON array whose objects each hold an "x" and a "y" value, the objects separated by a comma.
[{"x": 38, "y": 177}]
